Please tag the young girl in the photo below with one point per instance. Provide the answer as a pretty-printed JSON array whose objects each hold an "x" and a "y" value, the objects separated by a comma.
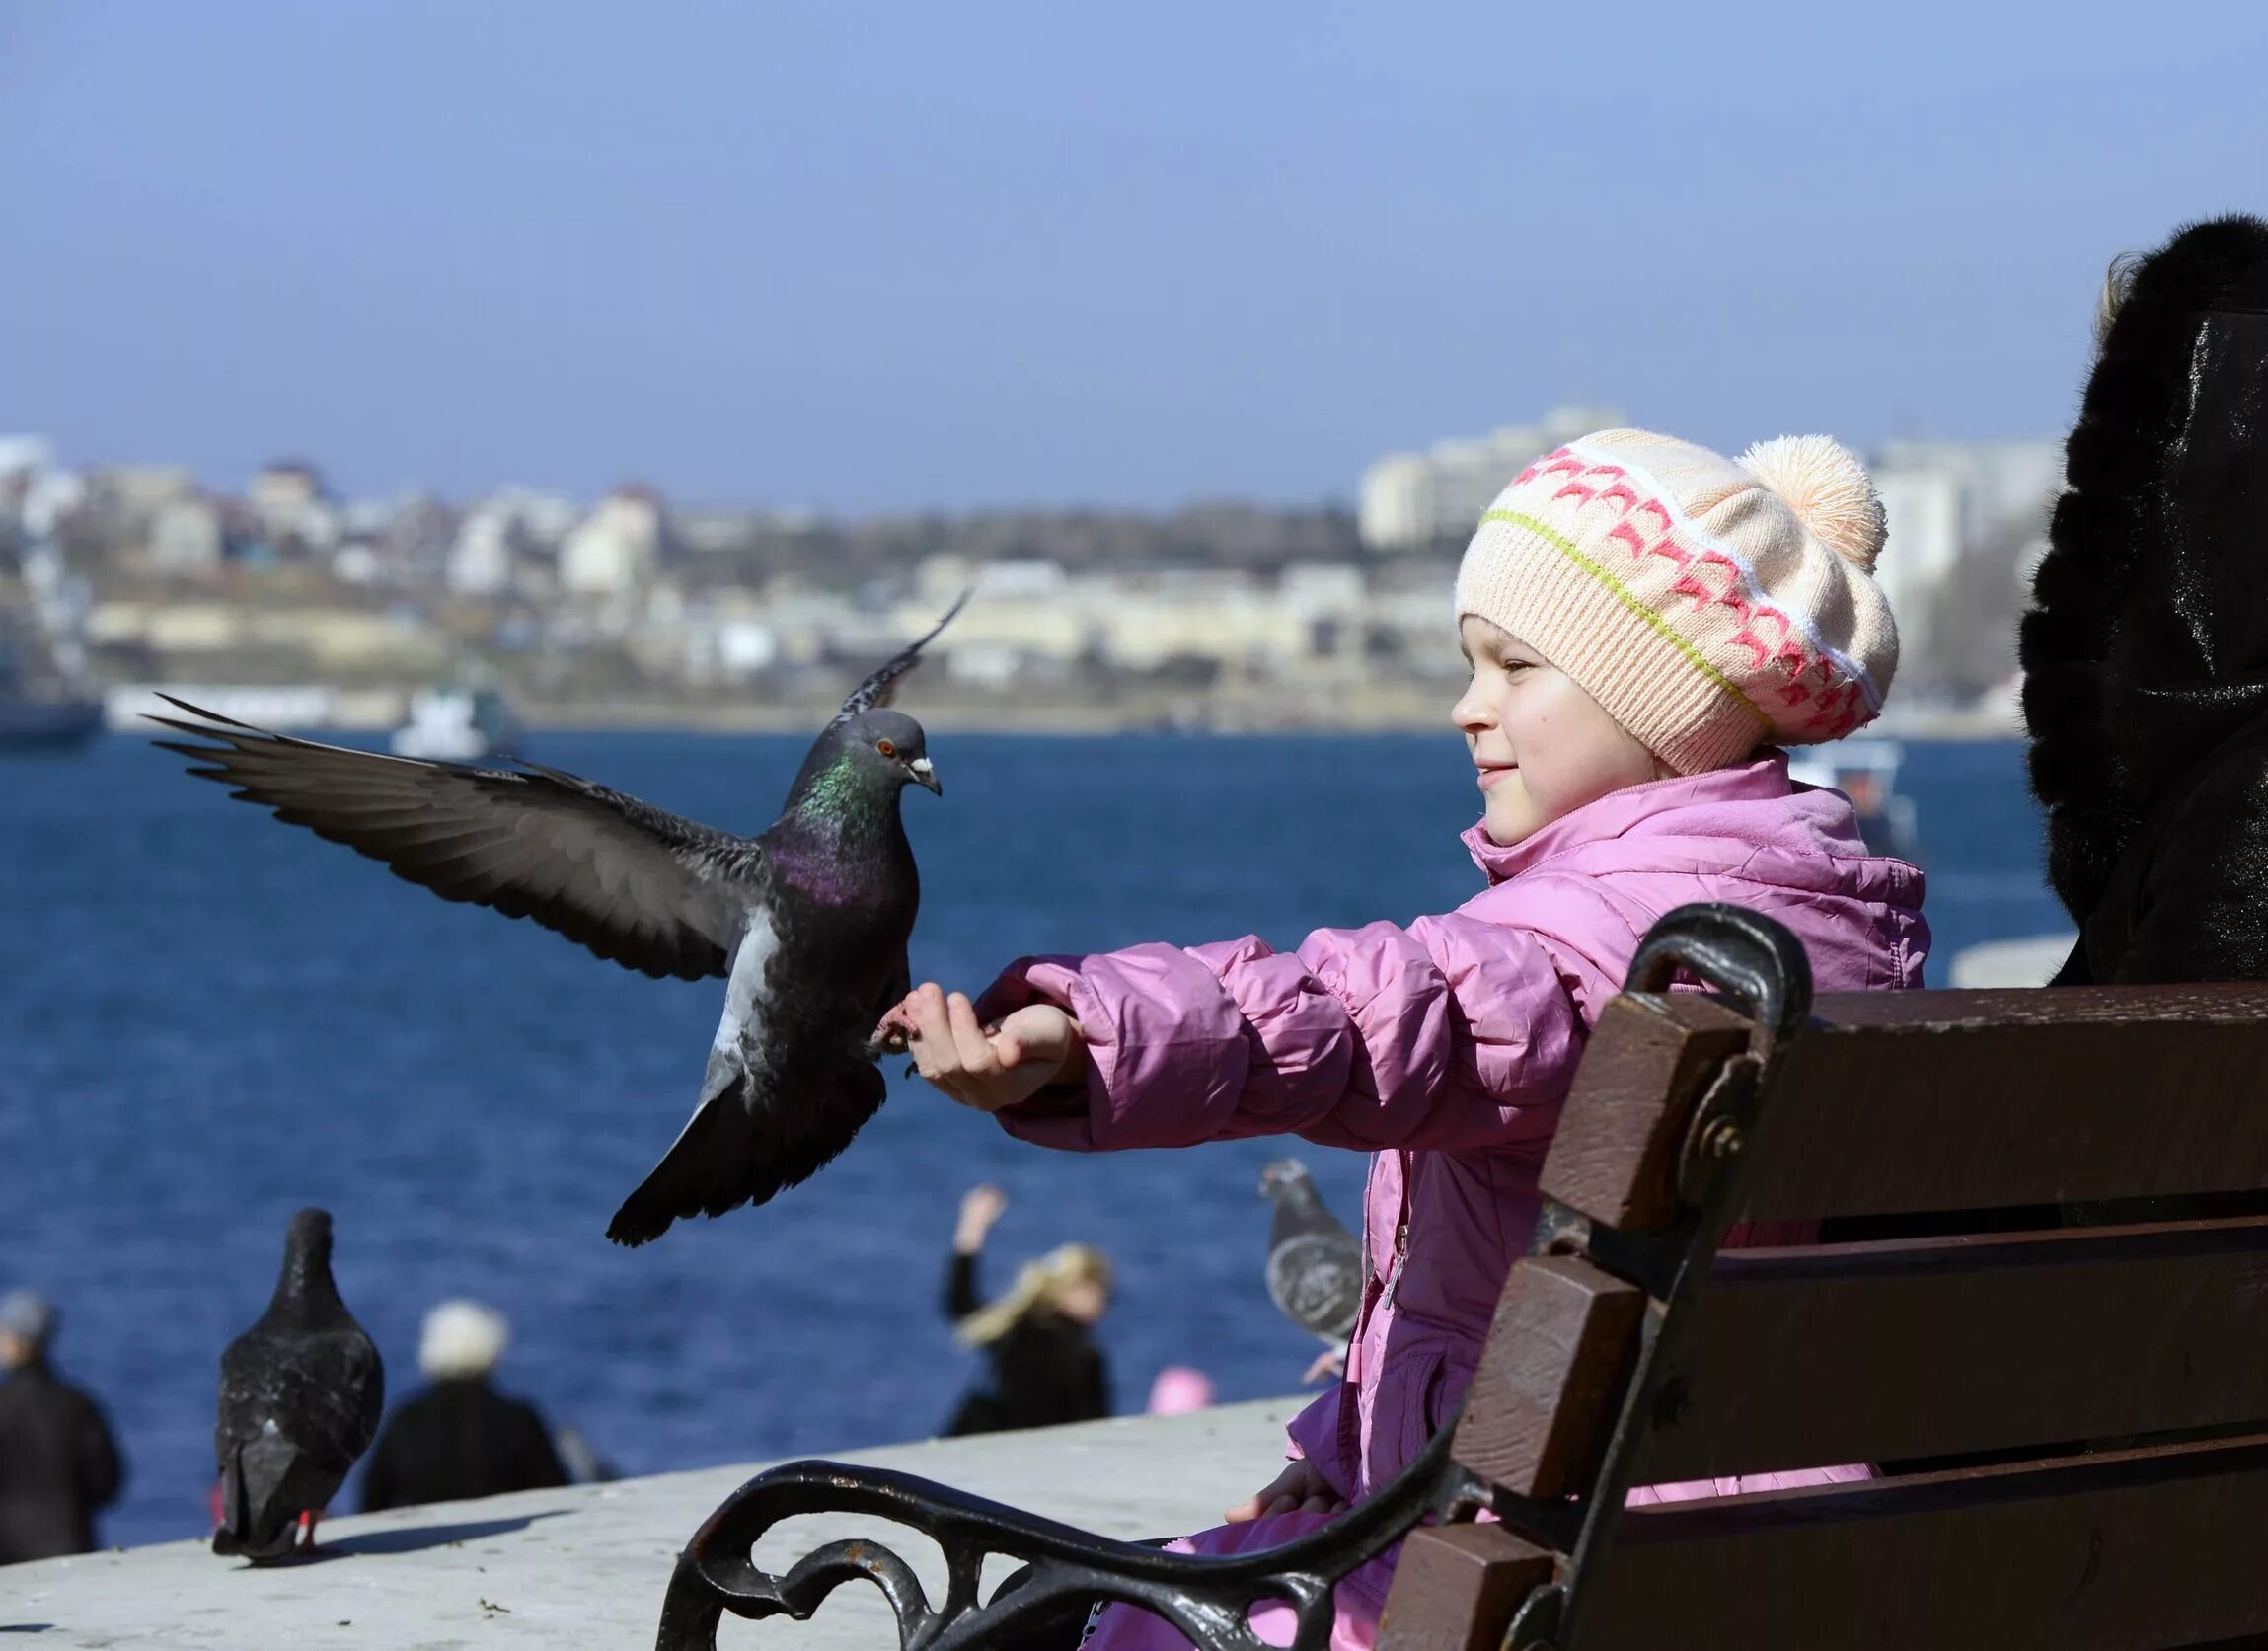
[{"x": 1646, "y": 623}]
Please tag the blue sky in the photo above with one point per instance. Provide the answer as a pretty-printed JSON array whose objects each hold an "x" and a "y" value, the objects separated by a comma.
[{"x": 869, "y": 257}]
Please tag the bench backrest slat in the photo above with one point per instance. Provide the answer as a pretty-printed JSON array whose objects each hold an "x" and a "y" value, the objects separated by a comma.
[
  {"x": 1902, "y": 1101},
  {"x": 1801, "y": 1358},
  {"x": 2100, "y": 1553},
  {"x": 1934, "y": 1101}
]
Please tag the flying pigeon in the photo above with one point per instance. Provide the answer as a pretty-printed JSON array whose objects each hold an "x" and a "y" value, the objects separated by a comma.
[
  {"x": 1315, "y": 1264},
  {"x": 300, "y": 1394},
  {"x": 806, "y": 923}
]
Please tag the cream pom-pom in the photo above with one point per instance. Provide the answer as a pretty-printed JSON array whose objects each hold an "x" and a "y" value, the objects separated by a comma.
[{"x": 1824, "y": 485}]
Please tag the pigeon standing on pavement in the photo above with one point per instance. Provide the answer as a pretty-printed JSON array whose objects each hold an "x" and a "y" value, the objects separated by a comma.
[
  {"x": 300, "y": 1396},
  {"x": 1315, "y": 1264},
  {"x": 806, "y": 923}
]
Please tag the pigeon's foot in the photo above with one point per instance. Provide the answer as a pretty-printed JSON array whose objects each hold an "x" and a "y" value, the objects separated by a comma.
[
  {"x": 307, "y": 1521},
  {"x": 891, "y": 1040}
]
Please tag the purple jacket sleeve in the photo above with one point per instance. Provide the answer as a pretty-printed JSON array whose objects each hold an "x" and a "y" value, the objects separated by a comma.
[{"x": 1454, "y": 1035}]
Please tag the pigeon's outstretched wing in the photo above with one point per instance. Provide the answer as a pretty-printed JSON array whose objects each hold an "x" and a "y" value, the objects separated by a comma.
[
  {"x": 638, "y": 886},
  {"x": 882, "y": 686}
]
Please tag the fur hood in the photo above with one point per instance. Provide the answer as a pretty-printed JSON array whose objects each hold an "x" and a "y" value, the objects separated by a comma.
[{"x": 2146, "y": 650}]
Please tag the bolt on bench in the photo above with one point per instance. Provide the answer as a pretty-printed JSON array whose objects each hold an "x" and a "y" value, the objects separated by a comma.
[{"x": 2071, "y": 1420}]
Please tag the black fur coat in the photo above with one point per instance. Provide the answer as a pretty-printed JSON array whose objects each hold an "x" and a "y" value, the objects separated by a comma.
[{"x": 2146, "y": 652}]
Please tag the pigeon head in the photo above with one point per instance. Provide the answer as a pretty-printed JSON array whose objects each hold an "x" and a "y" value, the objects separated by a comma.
[
  {"x": 889, "y": 746},
  {"x": 857, "y": 768},
  {"x": 307, "y": 1255},
  {"x": 1283, "y": 1177},
  {"x": 309, "y": 1236}
]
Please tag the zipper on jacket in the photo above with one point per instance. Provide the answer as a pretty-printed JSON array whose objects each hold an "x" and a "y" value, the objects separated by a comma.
[
  {"x": 1373, "y": 1298},
  {"x": 1401, "y": 1225},
  {"x": 1401, "y": 1260}
]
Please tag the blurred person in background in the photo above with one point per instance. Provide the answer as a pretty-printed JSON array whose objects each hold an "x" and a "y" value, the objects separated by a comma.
[
  {"x": 1044, "y": 1365},
  {"x": 460, "y": 1438},
  {"x": 57, "y": 1460},
  {"x": 1179, "y": 1389}
]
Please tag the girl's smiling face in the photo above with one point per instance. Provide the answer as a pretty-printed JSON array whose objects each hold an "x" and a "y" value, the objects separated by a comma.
[{"x": 1542, "y": 747}]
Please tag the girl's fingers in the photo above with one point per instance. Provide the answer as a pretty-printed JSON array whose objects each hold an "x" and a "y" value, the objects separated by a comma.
[
  {"x": 1271, "y": 1498},
  {"x": 937, "y": 1056},
  {"x": 932, "y": 1027},
  {"x": 976, "y": 1056}
]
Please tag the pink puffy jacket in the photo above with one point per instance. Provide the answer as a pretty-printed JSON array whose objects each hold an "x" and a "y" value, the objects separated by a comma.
[{"x": 1445, "y": 1050}]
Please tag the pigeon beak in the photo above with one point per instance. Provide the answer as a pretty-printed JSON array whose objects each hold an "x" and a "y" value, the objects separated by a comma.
[{"x": 925, "y": 776}]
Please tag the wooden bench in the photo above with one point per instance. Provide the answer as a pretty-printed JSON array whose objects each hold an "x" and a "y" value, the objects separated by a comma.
[{"x": 2071, "y": 1418}]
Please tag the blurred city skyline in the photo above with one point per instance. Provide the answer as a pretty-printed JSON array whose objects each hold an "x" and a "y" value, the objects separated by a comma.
[{"x": 863, "y": 260}]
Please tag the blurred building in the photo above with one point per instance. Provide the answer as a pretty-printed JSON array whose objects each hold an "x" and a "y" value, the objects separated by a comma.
[
  {"x": 25, "y": 455},
  {"x": 617, "y": 547},
  {"x": 35, "y": 492},
  {"x": 292, "y": 507},
  {"x": 1412, "y": 500},
  {"x": 138, "y": 491},
  {"x": 1965, "y": 522},
  {"x": 482, "y": 555},
  {"x": 186, "y": 538}
]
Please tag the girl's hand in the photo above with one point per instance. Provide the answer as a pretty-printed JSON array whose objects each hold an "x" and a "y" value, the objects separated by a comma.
[
  {"x": 1299, "y": 1488},
  {"x": 980, "y": 1207},
  {"x": 987, "y": 1066}
]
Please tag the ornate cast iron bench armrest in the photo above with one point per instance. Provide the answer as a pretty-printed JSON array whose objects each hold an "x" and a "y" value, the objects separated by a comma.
[{"x": 1065, "y": 1569}]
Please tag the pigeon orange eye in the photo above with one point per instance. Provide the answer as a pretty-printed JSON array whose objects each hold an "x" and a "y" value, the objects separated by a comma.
[{"x": 885, "y": 748}]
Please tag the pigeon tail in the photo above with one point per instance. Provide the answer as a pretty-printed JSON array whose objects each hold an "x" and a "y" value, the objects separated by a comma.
[
  {"x": 693, "y": 1176},
  {"x": 733, "y": 1153},
  {"x": 264, "y": 1488}
]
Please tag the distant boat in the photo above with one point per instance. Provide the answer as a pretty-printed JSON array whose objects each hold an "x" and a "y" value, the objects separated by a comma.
[
  {"x": 41, "y": 707},
  {"x": 47, "y": 725},
  {"x": 1866, "y": 771},
  {"x": 456, "y": 726}
]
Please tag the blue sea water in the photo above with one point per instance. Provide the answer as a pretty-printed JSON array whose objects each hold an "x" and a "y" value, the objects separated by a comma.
[{"x": 207, "y": 1021}]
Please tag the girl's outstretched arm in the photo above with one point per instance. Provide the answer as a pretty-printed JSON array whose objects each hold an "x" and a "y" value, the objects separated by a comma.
[{"x": 1455, "y": 1033}]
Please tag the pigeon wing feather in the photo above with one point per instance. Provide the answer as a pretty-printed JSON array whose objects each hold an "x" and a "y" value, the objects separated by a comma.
[
  {"x": 635, "y": 885},
  {"x": 881, "y": 687}
]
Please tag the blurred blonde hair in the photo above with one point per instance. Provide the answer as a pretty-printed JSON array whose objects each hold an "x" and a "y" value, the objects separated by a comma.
[
  {"x": 462, "y": 1339},
  {"x": 1041, "y": 1283}
]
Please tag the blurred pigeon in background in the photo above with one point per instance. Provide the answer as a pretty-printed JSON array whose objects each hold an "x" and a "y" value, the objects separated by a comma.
[
  {"x": 1315, "y": 1264},
  {"x": 808, "y": 923},
  {"x": 300, "y": 1396}
]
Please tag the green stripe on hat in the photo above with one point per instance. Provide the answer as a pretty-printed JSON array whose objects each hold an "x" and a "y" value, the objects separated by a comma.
[{"x": 1662, "y": 627}]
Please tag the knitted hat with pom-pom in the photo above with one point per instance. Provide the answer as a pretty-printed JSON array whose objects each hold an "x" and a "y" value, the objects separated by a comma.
[{"x": 1710, "y": 607}]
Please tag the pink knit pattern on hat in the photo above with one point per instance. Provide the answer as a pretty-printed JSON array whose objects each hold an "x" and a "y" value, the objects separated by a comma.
[{"x": 1709, "y": 606}]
